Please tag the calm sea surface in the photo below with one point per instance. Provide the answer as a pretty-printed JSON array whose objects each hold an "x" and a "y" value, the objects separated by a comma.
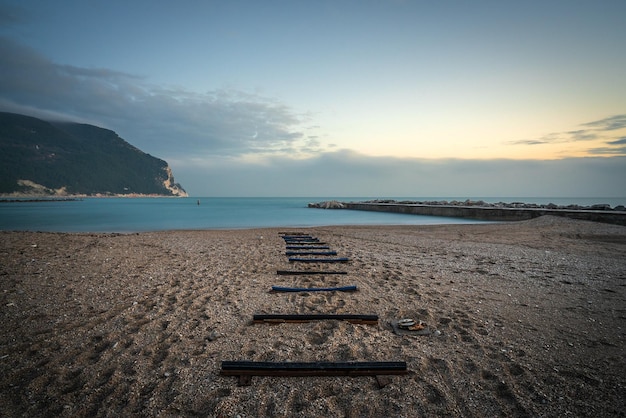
[{"x": 157, "y": 214}]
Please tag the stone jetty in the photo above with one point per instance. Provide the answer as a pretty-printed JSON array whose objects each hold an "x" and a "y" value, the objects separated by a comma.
[{"x": 470, "y": 209}]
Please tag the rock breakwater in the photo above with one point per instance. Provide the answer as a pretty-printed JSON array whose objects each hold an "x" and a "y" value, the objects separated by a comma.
[
  {"x": 481, "y": 210},
  {"x": 329, "y": 204}
]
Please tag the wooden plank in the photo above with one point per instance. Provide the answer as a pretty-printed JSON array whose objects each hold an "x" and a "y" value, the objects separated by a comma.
[
  {"x": 244, "y": 370},
  {"x": 311, "y": 253},
  {"x": 296, "y": 234},
  {"x": 318, "y": 260},
  {"x": 306, "y": 240},
  {"x": 350, "y": 288},
  {"x": 304, "y": 272},
  {"x": 283, "y": 318},
  {"x": 267, "y": 368},
  {"x": 305, "y": 244},
  {"x": 307, "y": 247}
]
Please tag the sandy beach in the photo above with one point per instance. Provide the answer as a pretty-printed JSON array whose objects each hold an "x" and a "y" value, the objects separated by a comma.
[{"x": 528, "y": 320}]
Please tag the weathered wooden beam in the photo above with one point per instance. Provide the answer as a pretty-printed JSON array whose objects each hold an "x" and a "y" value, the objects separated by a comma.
[
  {"x": 304, "y": 272},
  {"x": 246, "y": 369},
  {"x": 311, "y": 253},
  {"x": 305, "y": 244},
  {"x": 296, "y": 235},
  {"x": 282, "y": 318},
  {"x": 307, "y": 247},
  {"x": 302, "y": 238},
  {"x": 350, "y": 288},
  {"x": 318, "y": 260},
  {"x": 359, "y": 368}
]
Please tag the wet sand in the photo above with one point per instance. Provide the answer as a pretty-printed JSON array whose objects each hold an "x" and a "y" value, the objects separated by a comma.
[{"x": 530, "y": 319}]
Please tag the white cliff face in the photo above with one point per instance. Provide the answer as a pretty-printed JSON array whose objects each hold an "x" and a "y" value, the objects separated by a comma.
[
  {"x": 171, "y": 185},
  {"x": 35, "y": 189},
  {"x": 30, "y": 188}
]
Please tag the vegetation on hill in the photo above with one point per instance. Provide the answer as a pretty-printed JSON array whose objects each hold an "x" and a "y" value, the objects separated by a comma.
[{"x": 39, "y": 157}]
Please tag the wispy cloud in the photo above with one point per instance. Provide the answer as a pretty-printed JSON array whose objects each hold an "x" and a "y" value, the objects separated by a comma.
[
  {"x": 617, "y": 147},
  {"x": 608, "y": 151},
  {"x": 608, "y": 124},
  {"x": 551, "y": 138},
  {"x": 165, "y": 121},
  {"x": 582, "y": 135},
  {"x": 599, "y": 130},
  {"x": 540, "y": 141}
]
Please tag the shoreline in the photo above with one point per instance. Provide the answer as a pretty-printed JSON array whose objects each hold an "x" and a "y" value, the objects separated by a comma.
[
  {"x": 530, "y": 315},
  {"x": 39, "y": 199},
  {"x": 30, "y": 198}
]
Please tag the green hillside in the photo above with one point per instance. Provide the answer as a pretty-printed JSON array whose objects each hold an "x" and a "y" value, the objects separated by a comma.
[{"x": 72, "y": 158}]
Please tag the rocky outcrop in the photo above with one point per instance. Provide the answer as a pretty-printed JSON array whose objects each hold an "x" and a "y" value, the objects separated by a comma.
[
  {"x": 169, "y": 183},
  {"x": 34, "y": 189}
]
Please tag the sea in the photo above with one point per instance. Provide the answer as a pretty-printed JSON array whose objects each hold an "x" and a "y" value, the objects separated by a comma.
[{"x": 128, "y": 215}]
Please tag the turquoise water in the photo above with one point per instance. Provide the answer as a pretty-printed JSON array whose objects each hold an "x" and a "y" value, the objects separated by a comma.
[{"x": 154, "y": 214}]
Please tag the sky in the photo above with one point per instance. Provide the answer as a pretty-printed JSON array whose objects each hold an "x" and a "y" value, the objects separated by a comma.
[{"x": 375, "y": 98}]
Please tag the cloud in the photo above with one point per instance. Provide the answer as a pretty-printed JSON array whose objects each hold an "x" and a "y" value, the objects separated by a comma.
[
  {"x": 546, "y": 139},
  {"x": 582, "y": 135},
  {"x": 621, "y": 141},
  {"x": 608, "y": 124},
  {"x": 529, "y": 142},
  {"x": 597, "y": 130},
  {"x": 232, "y": 143},
  {"x": 347, "y": 173},
  {"x": 163, "y": 121},
  {"x": 608, "y": 150}
]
